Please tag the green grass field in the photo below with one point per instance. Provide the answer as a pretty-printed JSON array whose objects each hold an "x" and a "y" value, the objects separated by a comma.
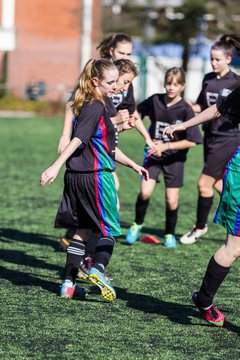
[{"x": 153, "y": 317}]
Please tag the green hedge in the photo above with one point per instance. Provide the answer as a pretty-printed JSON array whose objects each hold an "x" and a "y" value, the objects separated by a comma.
[{"x": 41, "y": 107}]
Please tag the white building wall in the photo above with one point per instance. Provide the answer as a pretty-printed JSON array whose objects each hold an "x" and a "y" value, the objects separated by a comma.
[{"x": 7, "y": 29}]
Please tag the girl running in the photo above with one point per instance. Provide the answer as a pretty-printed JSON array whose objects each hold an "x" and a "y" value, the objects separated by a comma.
[
  {"x": 162, "y": 110},
  {"x": 127, "y": 72},
  {"x": 227, "y": 215},
  {"x": 218, "y": 135},
  {"x": 89, "y": 201},
  {"x": 114, "y": 47}
]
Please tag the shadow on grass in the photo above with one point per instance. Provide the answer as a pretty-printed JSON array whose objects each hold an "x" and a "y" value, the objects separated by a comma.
[
  {"x": 175, "y": 312},
  {"x": 7, "y": 235},
  {"x": 20, "y": 278},
  {"x": 21, "y": 258},
  {"x": 231, "y": 327}
]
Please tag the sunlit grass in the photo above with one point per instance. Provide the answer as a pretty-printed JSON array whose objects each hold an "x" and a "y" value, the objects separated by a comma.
[{"x": 153, "y": 317}]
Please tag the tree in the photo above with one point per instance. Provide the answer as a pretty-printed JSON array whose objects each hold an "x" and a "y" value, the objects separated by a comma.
[
  {"x": 178, "y": 24},
  {"x": 180, "y": 30}
]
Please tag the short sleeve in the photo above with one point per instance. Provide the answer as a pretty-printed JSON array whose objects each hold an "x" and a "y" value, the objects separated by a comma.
[
  {"x": 87, "y": 120},
  {"x": 144, "y": 107},
  {"x": 201, "y": 97},
  {"x": 193, "y": 134}
]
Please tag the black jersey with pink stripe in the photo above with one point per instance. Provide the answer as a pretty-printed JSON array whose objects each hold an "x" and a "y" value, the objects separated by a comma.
[
  {"x": 211, "y": 88},
  {"x": 94, "y": 128}
]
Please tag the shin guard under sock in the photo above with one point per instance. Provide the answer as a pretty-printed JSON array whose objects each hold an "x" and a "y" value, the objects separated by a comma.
[
  {"x": 171, "y": 221},
  {"x": 203, "y": 209},
  {"x": 214, "y": 276},
  {"x": 141, "y": 209},
  {"x": 103, "y": 252},
  {"x": 75, "y": 253}
]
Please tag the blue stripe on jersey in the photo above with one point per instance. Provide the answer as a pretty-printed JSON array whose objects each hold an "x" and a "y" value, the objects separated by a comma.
[
  {"x": 101, "y": 149},
  {"x": 234, "y": 156},
  {"x": 100, "y": 203},
  {"x": 237, "y": 223},
  {"x": 223, "y": 189},
  {"x": 146, "y": 157}
]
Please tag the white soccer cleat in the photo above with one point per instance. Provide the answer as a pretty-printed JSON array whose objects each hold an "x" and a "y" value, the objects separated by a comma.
[{"x": 192, "y": 236}]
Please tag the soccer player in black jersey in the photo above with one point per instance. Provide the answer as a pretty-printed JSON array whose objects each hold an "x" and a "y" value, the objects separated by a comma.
[
  {"x": 221, "y": 137},
  {"x": 114, "y": 47},
  {"x": 127, "y": 72},
  {"x": 227, "y": 215},
  {"x": 89, "y": 203},
  {"x": 164, "y": 110}
]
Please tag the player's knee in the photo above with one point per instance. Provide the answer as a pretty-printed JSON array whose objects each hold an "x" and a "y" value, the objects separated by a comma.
[
  {"x": 172, "y": 204},
  {"x": 205, "y": 189},
  {"x": 233, "y": 247},
  {"x": 236, "y": 252},
  {"x": 145, "y": 195}
]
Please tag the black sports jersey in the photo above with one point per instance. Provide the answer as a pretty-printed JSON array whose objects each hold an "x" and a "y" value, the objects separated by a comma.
[
  {"x": 162, "y": 116},
  {"x": 211, "y": 86},
  {"x": 229, "y": 106},
  {"x": 94, "y": 128},
  {"x": 112, "y": 112},
  {"x": 125, "y": 101}
]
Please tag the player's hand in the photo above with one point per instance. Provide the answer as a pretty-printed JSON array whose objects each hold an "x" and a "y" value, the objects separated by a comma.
[
  {"x": 122, "y": 116},
  {"x": 63, "y": 143},
  {"x": 124, "y": 126},
  {"x": 170, "y": 130},
  {"x": 153, "y": 148},
  {"x": 140, "y": 170},
  {"x": 49, "y": 175},
  {"x": 161, "y": 147},
  {"x": 131, "y": 121},
  {"x": 127, "y": 125}
]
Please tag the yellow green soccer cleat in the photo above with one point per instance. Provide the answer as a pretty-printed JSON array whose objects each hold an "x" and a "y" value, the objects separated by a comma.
[
  {"x": 170, "y": 241},
  {"x": 133, "y": 233},
  {"x": 107, "y": 291}
]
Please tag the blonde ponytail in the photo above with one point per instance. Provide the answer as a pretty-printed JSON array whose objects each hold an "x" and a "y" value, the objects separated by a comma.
[{"x": 85, "y": 89}]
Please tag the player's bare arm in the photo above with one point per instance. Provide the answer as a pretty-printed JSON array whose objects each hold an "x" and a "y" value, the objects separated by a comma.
[
  {"x": 50, "y": 174},
  {"x": 67, "y": 129},
  {"x": 210, "y": 113},
  {"x": 124, "y": 160}
]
